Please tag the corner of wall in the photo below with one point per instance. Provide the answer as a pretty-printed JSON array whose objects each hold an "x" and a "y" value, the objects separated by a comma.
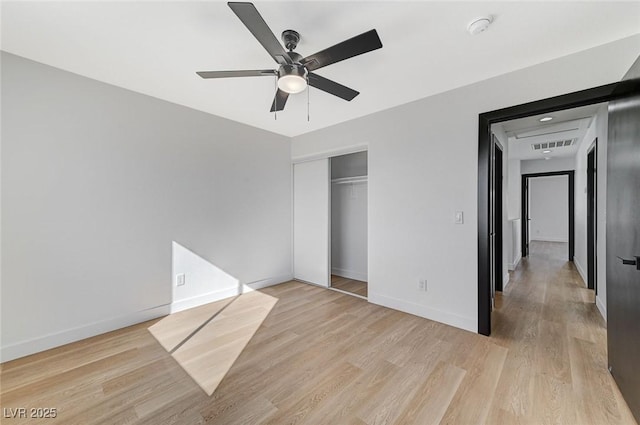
[
  {"x": 602, "y": 308},
  {"x": 581, "y": 271},
  {"x": 467, "y": 323}
]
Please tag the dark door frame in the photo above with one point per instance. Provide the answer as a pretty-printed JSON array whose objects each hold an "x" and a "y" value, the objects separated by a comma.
[
  {"x": 590, "y": 96},
  {"x": 525, "y": 208},
  {"x": 592, "y": 216}
]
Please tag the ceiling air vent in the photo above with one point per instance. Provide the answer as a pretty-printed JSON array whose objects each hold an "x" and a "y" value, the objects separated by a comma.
[{"x": 553, "y": 145}]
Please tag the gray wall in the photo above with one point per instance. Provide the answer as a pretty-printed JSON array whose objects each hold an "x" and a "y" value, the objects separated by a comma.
[
  {"x": 350, "y": 165},
  {"x": 549, "y": 209},
  {"x": 98, "y": 182},
  {"x": 563, "y": 163}
]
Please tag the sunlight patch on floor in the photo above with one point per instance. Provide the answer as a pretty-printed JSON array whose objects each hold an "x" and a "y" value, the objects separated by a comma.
[{"x": 207, "y": 340}]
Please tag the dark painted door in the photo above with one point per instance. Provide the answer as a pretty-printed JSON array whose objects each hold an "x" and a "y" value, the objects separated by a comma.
[
  {"x": 499, "y": 179},
  {"x": 525, "y": 217},
  {"x": 623, "y": 240},
  {"x": 591, "y": 218}
]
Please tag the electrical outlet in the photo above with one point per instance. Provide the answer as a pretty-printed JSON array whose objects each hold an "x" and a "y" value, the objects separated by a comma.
[
  {"x": 422, "y": 284},
  {"x": 180, "y": 279}
]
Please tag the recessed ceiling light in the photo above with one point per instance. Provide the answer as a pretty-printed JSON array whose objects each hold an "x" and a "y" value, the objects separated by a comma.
[
  {"x": 546, "y": 151},
  {"x": 547, "y": 158},
  {"x": 545, "y": 119}
]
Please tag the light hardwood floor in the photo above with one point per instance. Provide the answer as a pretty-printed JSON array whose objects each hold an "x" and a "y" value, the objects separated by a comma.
[
  {"x": 299, "y": 354},
  {"x": 357, "y": 287}
]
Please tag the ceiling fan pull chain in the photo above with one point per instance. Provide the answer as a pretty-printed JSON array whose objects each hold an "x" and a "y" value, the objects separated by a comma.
[{"x": 308, "y": 95}]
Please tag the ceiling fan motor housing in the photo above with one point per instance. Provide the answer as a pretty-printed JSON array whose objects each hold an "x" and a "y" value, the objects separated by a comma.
[{"x": 290, "y": 38}]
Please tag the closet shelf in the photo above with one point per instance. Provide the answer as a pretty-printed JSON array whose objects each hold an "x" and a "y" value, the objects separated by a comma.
[{"x": 346, "y": 180}]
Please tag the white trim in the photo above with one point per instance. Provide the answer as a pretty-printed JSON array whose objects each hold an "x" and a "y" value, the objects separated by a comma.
[
  {"x": 202, "y": 299},
  {"x": 349, "y": 274},
  {"x": 329, "y": 223},
  {"x": 291, "y": 187},
  {"x": 467, "y": 323},
  {"x": 210, "y": 297},
  {"x": 602, "y": 308},
  {"x": 330, "y": 153},
  {"x": 264, "y": 283},
  {"x": 583, "y": 275},
  {"x": 56, "y": 339},
  {"x": 514, "y": 265},
  {"x": 505, "y": 280}
]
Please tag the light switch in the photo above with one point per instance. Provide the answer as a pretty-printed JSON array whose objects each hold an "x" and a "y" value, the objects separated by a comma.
[
  {"x": 459, "y": 217},
  {"x": 180, "y": 279}
]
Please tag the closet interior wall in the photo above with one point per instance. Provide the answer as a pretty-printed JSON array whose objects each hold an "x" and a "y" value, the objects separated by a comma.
[{"x": 349, "y": 216}]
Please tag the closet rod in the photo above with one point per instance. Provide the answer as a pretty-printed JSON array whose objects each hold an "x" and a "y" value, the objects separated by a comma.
[{"x": 346, "y": 180}]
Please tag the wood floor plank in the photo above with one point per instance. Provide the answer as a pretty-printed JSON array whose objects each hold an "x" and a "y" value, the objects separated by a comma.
[
  {"x": 353, "y": 286},
  {"x": 342, "y": 406},
  {"x": 433, "y": 397},
  {"x": 481, "y": 378}
]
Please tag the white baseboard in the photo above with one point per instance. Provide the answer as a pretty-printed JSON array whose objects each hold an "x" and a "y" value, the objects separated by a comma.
[
  {"x": 56, "y": 339},
  {"x": 349, "y": 274},
  {"x": 602, "y": 308},
  {"x": 581, "y": 271},
  {"x": 202, "y": 299},
  {"x": 505, "y": 280},
  {"x": 221, "y": 294},
  {"x": 514, "y": 265},
  {"x": 467, "y": 323},
  {"x": 264, "y": 283}
]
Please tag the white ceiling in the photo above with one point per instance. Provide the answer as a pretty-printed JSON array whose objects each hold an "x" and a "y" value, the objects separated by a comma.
[
  {"x": 566, "y": 125},
  {"x": 155, "y": 48}
]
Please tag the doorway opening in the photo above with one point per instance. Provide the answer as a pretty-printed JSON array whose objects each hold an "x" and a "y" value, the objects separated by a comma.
[
  {"x": 553, "y": 218},
  {"x": 349, "y": 200},
  {"x": 486, "y": 261},
  {"x": 497, "y": 201}
]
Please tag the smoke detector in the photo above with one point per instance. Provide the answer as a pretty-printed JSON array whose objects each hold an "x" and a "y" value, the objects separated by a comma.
[{"x": 479, "y": 25}]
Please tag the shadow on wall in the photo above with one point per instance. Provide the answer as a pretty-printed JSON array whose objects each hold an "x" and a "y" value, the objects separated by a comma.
[{"x": 206, "y": 340}]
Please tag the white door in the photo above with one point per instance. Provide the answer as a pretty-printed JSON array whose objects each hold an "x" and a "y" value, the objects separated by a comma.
[{"x": 311, "y": 211}]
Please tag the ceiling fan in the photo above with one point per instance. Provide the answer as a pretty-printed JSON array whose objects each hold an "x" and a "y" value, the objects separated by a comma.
[{"x": 296, "y": 72}]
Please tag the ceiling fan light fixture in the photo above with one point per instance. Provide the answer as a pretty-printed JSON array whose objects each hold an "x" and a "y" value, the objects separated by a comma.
[{"x": 292, "y": 79}]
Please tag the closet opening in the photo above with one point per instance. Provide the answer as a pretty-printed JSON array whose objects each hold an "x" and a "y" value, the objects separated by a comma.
[{"x": 348, "y": 205}]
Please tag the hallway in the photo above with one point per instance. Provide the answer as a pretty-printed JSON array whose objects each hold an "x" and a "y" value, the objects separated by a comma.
[{"x": 556, "y": 370}]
